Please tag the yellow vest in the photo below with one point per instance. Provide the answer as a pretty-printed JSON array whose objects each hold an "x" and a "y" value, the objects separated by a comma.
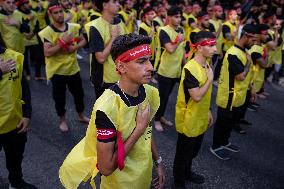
[
  {"x": 40, "y": 14},
  {"x": 189, "y": 28},
  {"x": 216, "y": 24},
  {"x": 233, "y": 29},
  {"x": 148, "y": 29},
  {"x": 125, "y": 15},
  {"x": 258, "y": 72},
  {"x": 192, "y": 117},
  {"x": 159, "y": 20},
  {"x": 240, "y": 87},
  {"x": 93, "y": 12},
  {"x": 60, "y": 63},
  {"x": 11, "y": 93},
  {"x": 170, "y": 64},
  {"x": 110, "y": 75},
  {"x": 32, "y": 17},
  {"x": 11, "y": 35},
  {"x": 275, "y": 56},
  {"x": 80, "y": 164}
]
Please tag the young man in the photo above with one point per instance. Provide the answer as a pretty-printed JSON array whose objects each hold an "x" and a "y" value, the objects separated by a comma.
[
  {"x": 128, "y": 15},
  {"x": 119, "y": 135},
  {"x": 171, "y": 45},
  {"x": 193, "y": 115},
  {"x": 61, "y": 41},
  {"x": 102, "y": 32},
  {"x": 229, "y": 36},
  {"x": 12, "y": 27},
  {"x": 14, "y": 114},
  {"x": 234, "y": 81}
]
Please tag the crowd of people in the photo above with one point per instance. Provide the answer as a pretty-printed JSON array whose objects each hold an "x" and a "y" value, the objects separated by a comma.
[{"x": 232, "y": 45}]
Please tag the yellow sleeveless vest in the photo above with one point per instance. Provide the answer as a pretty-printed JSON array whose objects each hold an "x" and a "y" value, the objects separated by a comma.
[
  {"x": 11, "y": 35},
  {"x": 148, "y": 30},
  {"x": 80, "y": 164},
  {"x": 240, "y": 87},
  {"x": 233, "y": 29},
  {"x": 93, "y": 12},
  {"x": 275, "y": 56},
  {"x": 110, "y": 75},
  {"x": 216, "y": 24},
  {"x": 11, "y": 93},
  {"x": 189, "y": 28},
  {"x": 32, "y": 23},
  {"x": 40, "y": 14},
  {"x": 60, "y": 63},
  {"x": 130, "y": 26},
  {"x": 170, "y": 65},
  {"x": 192, "y": 117},
  {"x": 258, "y": 72}
]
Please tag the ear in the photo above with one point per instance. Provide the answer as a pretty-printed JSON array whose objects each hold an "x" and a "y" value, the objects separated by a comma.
[{"x": 121, "y": 68}]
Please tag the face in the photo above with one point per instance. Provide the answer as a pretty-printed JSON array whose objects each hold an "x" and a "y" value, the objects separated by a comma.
[
  {"x": 112, "y": 6},
  {"x": 57, "y": 15},
  {"x": 150, "y": 15},
  {"x": 233, "y": 15},
  {"x": 175, "y": 20},
  {"x": 219, "y": 13},
  {"x": 207, "y": 51},
  {"x": 138, "y": 71},
  {"x": 196, "y": 8},
  {"x": 129, "y": 5},
  {"x": 65, "y": 4},
  {"x": 205, "y": 22},
  {"x": 9, "y": 6},
  {"x": 250, "y": 41}
]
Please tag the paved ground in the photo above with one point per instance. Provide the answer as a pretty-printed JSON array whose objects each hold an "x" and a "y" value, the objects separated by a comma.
[{"x": 260, "y": 164}]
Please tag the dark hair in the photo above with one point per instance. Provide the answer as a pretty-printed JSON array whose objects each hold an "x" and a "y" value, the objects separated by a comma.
[
  {"x": 201, "y": 14},
  {"x": 199, "y": 36},
  {"x": 99, "y": 4},
  {"x": 126, "y": 42},
  {"x": 174, "y": 10},
  {"x": 249, "y": 28},
  {"x": 146, "y": 10}
]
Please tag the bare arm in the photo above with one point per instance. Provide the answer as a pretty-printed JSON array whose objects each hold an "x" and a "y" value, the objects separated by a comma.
[{"x": 242, "y": 76}]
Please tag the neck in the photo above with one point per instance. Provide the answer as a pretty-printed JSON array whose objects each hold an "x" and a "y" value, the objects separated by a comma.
[
  {"x": 59, "y": 26},
  {"x": 200, "y": 59},
  {"x": 107, "y": 17},
  {"x": 172, "y": 26},
  {"x": 148, "y": 22},
  {"x": 241, "y": 44},
  {"x": 8, "y": 12},
  {"x": 128, "y": 87}
]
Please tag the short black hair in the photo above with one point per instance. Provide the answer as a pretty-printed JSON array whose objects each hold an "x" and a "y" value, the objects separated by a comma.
[
  {"x": 201, "y": 35},
  {"x": 99, "y": 4},
  {"x": 249, "y": 28},
  {"x": 174, "y": 10},
  {"x": 201, "y": 14},
  {"x": 126, "y": 42},
  {"x": 146, "y": 10}
]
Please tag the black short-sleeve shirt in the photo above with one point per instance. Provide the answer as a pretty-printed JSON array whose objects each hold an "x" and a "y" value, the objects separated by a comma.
[{"x": 189, "y": 82}]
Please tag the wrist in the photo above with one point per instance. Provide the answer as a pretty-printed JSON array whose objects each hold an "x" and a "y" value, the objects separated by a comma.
[{"x": 158, "y": 161}]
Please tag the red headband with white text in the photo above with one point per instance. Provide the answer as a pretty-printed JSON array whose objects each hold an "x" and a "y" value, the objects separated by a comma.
[{"x": 134, "y": 53}]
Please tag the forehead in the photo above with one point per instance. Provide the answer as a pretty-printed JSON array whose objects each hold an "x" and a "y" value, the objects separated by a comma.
[
  {"x": 57, "y": 9},
  {"x": 9, "y": 1}
]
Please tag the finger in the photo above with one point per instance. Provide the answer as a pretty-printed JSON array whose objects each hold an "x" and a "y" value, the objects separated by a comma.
[{"x": 23, "y": 130}]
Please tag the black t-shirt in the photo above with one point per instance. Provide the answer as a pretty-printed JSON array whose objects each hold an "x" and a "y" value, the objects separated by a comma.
[
  {"x": 142, "y": 32},
  {"x": 189, "y": 82},
  {"x": 190, "y": 21},
  {"x": 165, "y": 38},
  {"x": 106, "y": 129},
  {"x": 225, "y": 29}
]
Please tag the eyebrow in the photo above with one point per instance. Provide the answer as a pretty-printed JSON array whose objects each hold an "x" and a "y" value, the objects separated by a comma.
[{"x": 143, "y": 58}]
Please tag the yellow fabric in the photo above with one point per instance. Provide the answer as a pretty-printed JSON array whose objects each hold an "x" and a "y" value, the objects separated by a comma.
[
  {"x": 192, "y": 117},
  {"x": 148, "y": 29},
  {"x": 275, "y": 56},
  {"x": 93, "y": 12},
  {"x": 233, "y": 30},
  {"x": 11, "y": 35},
  {"x": 240, "y": 87},
  {"x": 32, "y": 17},
  {"x": 60, "y": 63},
  {"x": 110, "y": 75},
  {"x": 217, "y": 24},
  {"x": 125, "y": 15},
  {"x": 81, "y": 162},
  {"x": 84, "y": 14},
  {"x": 159, "y": 20},
  {"x": 75, "y": 16},
  {"x": 11, "y": 93},
  {"x": 40, "y": 14},
  {"x": 189, "y": 28},
  {"x": 258, "y": 72},
  {"x": 170, "y": 64}
]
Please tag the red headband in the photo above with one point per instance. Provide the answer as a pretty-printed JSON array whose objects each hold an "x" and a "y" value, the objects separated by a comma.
[
  {"x": 265, "y": 20},
  {"x": 134, "y": 53},
  {"x": 54, "y": 7},
  {"x": 206, "y": 42}
]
